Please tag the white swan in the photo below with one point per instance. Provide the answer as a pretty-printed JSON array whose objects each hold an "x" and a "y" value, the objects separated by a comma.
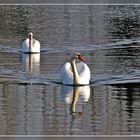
[
  {"x": 31, "y": 45},
  {"x": 75, "y": 73}
]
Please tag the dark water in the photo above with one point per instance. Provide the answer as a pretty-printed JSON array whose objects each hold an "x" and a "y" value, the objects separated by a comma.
[{"x": 32, "y": 100}]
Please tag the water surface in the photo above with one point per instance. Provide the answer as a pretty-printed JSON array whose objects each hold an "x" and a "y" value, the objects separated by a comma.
[{"x": 33, "y": 102}]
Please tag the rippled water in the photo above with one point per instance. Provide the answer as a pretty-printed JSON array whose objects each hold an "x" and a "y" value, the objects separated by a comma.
[{"x": 32, "y": 100}]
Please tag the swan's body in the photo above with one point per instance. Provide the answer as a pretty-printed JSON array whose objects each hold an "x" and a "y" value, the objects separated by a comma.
[
  {"x": 31, "y": 45},
  {"x": 75, "y": 73}
]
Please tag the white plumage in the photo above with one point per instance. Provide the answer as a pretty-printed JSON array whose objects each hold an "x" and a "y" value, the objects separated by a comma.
[
  {"x": 75, "y": 73},
  {"x": 33, "y": 47}
]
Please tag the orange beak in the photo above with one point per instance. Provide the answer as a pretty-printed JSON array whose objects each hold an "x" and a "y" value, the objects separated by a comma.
[{"x": 82, "y": 57}]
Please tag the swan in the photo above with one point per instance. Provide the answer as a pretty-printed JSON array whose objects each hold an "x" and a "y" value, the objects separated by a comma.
[
  {"x": 73, "y": 73},
  {"x": 31, "y": 45}
]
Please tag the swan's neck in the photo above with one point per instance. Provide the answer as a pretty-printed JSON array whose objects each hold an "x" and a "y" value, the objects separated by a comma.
[
  {"x": 31, "y": 44},
  {"x": 75, "y": 72}
]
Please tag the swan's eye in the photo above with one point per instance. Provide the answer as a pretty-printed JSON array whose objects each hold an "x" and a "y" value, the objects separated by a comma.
[{"x": 77, "y": 55}]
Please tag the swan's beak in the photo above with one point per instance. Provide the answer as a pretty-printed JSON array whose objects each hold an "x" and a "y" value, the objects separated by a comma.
[{"x": 82, "y": 57}]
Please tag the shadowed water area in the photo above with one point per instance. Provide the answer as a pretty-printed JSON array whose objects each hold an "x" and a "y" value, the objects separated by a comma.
[{"x": 32, "y": 99}]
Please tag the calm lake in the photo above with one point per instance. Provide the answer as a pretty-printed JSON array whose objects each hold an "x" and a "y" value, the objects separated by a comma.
[{"x": 32, "y": 100}]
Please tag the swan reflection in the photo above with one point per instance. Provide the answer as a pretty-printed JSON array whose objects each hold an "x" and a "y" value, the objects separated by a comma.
[
  {"x": 31, "y": 62},
  {"x": 75, "y": 96}
]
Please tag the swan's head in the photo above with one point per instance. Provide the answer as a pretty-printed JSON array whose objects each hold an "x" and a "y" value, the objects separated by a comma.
[
  {"x": 78, "y": 56},
  {"x": 30, "y": 35}
]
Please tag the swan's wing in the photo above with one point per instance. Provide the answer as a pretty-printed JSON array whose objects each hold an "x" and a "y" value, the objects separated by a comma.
[
  {"x": 36, "y": 45},
  {"x": 67, "y": 74},
  {"x": 84, "y": 73},
  {"x": 25, "y": 45},
  {"x": 36, "y": 42}
]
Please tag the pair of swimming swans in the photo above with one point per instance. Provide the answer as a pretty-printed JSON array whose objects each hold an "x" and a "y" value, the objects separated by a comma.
[{"x": 72, "y": 73}]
